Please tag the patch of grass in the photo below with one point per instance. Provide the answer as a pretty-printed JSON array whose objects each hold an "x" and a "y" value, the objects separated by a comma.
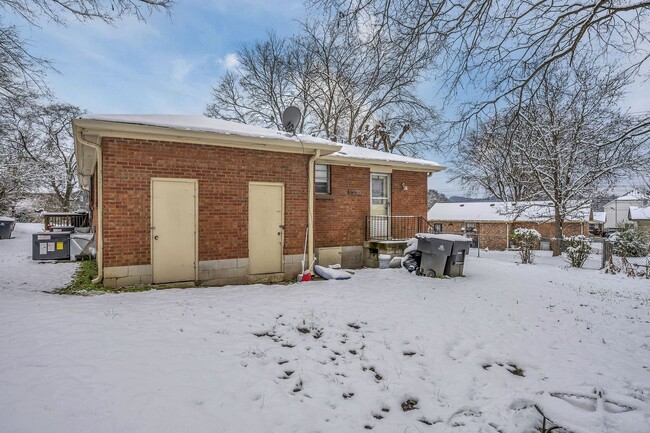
[
  {"x": 515, "y": 370},
  {"x": 82, "y": 284},
  {"x": 409, "y": 404}
]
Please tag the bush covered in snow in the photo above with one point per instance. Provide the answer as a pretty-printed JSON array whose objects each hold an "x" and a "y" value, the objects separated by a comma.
[
  {"x": 629, "y": 241},
  {"x": 578, "y": 249},
  {"x": 525, "y": 239}
]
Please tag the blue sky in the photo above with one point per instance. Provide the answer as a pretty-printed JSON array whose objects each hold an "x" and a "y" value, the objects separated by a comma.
[{"x": 168, "y": 64}]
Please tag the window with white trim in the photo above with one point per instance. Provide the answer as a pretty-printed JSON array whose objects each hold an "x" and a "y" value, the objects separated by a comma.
[{"x": 322, "y": 179}]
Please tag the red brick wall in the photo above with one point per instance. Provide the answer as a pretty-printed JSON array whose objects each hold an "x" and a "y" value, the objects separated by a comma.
[
  {"x": 547, "y": 230},
  {"x": 412, "y": 201},
  {"x": 223, "y": 175},
  {"x": 340, "y": 218},
  {"x": 493, "y": 235}
]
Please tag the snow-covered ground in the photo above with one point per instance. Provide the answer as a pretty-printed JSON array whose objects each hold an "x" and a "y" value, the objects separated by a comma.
[
  {"x": 594, "y": 261},
  {"x": 328, "y": 356},
  {"x": 19, "y": 272}
]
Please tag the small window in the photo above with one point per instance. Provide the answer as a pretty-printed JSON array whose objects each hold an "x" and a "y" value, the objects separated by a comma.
[
  {"x": 470, "y": 227},
  {"x": 322, "y": 179},
  {"x": 437, "y": 227}
]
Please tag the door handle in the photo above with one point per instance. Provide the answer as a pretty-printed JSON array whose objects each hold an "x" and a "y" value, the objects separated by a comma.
[{"x": 155, "y": 238}]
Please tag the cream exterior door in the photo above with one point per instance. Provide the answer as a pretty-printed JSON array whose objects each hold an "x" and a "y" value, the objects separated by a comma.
[
  {"x": 265, "y": 227},
  {"x": 173, "y": 230},
  {"x": 379, "y": 205}
]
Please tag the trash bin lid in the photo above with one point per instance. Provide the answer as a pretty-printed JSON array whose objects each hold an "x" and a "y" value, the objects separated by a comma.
[{"x": 444, "y": 237}]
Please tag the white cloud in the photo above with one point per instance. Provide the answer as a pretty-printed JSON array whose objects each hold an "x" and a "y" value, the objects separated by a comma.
[
  {"x": 229, "y": 61},
  {"x": 180, "y": 69}
]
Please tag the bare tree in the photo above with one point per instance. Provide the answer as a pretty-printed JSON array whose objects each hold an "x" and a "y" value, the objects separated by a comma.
[
  {"x": 38, "y": 149},
  {"x": 36, "y": 152},
  {"x": 505, "y": 48},
  {"x": 566, "y": 144},
  {"x": 354, "y": 84},
  {"x": 485, "y": 162},
  {"x": 434, "y": 196},
  {"x": 60, "y": 11},
  {"x": 22, "y": 72}
]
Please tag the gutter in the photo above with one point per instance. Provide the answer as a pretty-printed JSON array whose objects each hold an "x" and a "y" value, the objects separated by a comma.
[
  {"x": 310, "y": 211},
  {"x": 100, "y": 205}
]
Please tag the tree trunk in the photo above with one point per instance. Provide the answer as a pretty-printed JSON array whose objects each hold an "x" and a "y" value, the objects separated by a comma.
[{"x": 558, "y": 234}]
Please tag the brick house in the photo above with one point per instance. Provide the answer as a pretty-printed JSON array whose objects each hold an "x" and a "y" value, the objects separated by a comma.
[
  {"x": 190, "y": 198},
  {"x": 491, "y": 224}
]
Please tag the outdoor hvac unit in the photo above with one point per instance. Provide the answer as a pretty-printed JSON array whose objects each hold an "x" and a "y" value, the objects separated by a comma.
[{"x": 50, "y": 246}]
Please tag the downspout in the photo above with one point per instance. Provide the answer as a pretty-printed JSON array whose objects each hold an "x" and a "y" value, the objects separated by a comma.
[
  {"x": 310, "y": 211},
  {"x": 100, "y": 203}
]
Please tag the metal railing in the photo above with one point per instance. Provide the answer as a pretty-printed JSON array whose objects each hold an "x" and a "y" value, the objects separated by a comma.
[
  {"x": 65, "y": 219},
  {"x": 396, "y": 227}
]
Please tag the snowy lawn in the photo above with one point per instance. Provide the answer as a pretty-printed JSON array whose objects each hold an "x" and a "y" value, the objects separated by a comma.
[
  {"x": 546, "y": 258},
  {"x": 386, "y": 351},
  {"x": 19, "y": 272}
]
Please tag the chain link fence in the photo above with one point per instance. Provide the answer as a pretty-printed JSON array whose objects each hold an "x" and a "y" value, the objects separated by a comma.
[{"x": 601, "y": 256}]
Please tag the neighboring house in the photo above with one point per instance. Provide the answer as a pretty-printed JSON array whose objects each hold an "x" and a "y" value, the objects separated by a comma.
[
  {"x": 190, "y": 198},
  {"x": 641, "y": 217},
  {"x": 491, "y": 224},
  {"x": 597, "y": 223},
  {"x": 617, "y": 210}
]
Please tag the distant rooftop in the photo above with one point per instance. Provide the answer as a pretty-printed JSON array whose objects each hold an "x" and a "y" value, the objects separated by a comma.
[
  {"x": 639, "y": 213},
  {"x": 536, "y": 211},
  {"x": 599, "y": 217},
  {"x": 633, "y": 195}
]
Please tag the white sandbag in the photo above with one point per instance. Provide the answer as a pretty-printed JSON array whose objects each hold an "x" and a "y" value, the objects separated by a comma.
[{"x": 331, "y": 274}]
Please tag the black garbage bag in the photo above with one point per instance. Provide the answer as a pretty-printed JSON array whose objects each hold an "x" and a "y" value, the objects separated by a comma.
[{"x": 412, "y": 260}]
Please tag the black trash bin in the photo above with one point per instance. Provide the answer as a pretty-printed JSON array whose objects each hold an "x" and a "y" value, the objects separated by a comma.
[
  {"x": 435, "y": 250},
  {"x": 442, "y": 254},
  {"x": 6, "y": 227},
  {"x": 456, "y": 260}
]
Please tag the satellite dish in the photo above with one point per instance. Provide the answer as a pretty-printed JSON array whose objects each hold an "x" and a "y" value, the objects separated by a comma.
[{"x": 291, "y": 119}]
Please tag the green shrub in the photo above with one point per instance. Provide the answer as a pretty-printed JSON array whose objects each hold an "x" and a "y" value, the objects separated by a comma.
[{"x": 629, "y": 241}]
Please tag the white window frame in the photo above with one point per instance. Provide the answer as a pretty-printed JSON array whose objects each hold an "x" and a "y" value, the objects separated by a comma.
[{"x": 327, "y": 182}]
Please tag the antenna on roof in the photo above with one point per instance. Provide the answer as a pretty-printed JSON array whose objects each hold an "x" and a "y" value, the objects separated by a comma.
[{"x": 291, "y": 118}]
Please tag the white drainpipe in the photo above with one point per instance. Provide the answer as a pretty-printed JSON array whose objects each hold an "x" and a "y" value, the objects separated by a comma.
[
  {"x": 100, "y": 203},
  {"x": 310, "y": 211}
]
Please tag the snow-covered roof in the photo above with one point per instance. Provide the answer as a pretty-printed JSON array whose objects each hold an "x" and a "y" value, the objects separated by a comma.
[
  {"x": 361, "y": 153},
  {"x": 599, "y": 217},
  {"x": 338, "y": 152},
  {"x": 633, "y": 196},
  {"x": 639, "y": 213},
  {"x": 206, "y": 124},
  {"x": 536, "y": 211}
]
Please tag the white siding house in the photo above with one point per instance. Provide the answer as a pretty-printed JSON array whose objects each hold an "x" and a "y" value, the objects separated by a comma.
[{"x": 618, "y": 209}]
